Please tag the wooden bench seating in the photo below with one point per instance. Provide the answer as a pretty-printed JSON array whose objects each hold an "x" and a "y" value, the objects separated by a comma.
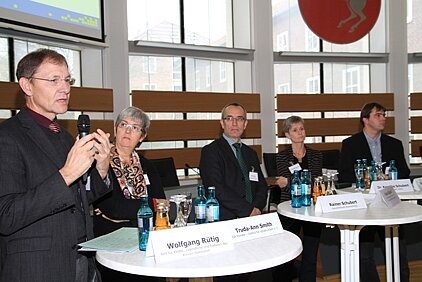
[
  {"x": 415, "y": 123},
  {"x": 82, "y": 99},
  {"x": 192, "y": 129},
  {"x": 295, "y": 104}
]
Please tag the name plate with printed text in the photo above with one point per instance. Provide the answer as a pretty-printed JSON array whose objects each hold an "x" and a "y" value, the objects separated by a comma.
[
  {"x": 399, "y": 185},
  {"x": 248, "y": 228},
  {"x": 340, "y": 202},
  {"x": 386, "y": 197},
  {"x": 203, "y": 239}
]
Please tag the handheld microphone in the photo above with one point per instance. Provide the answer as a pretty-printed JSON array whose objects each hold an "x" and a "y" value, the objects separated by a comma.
[
  {"x": 83, "y": 125},
  {"x": 83, "y": 129},
  {"x": 193, "y": 169}
]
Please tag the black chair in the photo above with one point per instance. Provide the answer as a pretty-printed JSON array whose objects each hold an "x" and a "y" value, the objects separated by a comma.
[
  {"x": 274, "y": 192},
  {"x": 270, "y": 164},
  {"x": 330, "y": 159},
  {"x": 167, "y": 171}
]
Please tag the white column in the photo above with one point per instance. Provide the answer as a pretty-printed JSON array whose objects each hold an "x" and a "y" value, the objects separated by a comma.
[
  {"x": 262, "y": 69},
  {"x": 116, "y": 60},
  {"x": 397, "y": 69}
]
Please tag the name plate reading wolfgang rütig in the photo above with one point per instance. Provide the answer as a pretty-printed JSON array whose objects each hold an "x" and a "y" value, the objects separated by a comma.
[
  {"x": 184, "y": 242},
  {"x": 340, "y": 202},
  {"x": 399, "y": 185}
]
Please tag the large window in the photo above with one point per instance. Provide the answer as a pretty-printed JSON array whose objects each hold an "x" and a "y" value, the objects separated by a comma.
[
  {"x": 190, "y": 36},
  {"x": 206, "y": 22}
]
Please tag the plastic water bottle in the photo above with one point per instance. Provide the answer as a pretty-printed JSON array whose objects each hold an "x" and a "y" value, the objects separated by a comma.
[
  {"x": 392, "y": 172},
  {"x": 296, "y": 190},
  {"x": 212, "y": 206},
  {"x": 145, "y": 224},
  {"x": 306, "y": 188},
  {"x": 200, "y": 205}
]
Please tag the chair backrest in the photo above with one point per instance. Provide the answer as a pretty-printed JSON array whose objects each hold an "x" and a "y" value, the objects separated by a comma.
[
  {"x": 330, "y": 159},
  {"x": 270, "y": 164},
  {"x": 167, "y": 171}
]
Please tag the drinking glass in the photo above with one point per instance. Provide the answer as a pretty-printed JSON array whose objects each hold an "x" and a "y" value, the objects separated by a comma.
[
  {"x": 380, "y": 173},
  {"x": 177, "y": 199},
  {"x": 186, "y": 207},
  {"x": 359, "y": 177}
]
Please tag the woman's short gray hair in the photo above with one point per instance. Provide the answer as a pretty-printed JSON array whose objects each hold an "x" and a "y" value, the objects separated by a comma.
[
  {"x": 287, "y": 124},
  {"x": 137, "y": 114}
]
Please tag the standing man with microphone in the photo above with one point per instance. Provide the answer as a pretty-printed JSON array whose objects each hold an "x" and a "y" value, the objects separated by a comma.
[{"x": 44, "y": 206}]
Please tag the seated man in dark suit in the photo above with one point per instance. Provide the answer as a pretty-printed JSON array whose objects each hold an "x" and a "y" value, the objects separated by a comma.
[
  {"x": 234, "y": 170},
  {"x": 372, "y": 144},
  {"x": 240, "y": 188}
]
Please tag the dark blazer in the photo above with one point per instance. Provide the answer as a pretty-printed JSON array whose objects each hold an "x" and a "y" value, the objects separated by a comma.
[
  {"x": 39, "y": 215},
  {"x": 219, "y": 167},
  {"x": 356, "y": 147},
  {"x": 285, "y": 159},
  {"x": 115, "y": 206}
]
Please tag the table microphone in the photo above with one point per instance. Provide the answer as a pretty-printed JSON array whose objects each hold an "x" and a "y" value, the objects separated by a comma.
[
  {"x": 83, "y": 129},
  {"x": 193, "y": 169}
]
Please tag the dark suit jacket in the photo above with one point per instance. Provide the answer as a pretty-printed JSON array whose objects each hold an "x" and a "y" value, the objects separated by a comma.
[
  {"x": 115, "y": 206},
  {"x": 356, "y": 147},
  {"x": 39, "y": 214},
  {"x": 219, "y": 168}
]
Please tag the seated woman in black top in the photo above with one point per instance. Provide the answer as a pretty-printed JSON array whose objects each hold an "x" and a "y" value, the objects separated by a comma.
[{"x": 307, "y": 158}]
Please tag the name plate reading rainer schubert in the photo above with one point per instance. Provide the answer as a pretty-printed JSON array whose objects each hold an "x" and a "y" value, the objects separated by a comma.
[{"x": 340, "y": 202}]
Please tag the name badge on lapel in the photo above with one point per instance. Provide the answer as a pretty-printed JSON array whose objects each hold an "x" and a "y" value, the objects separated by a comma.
[{"x": 253, "y": 175}]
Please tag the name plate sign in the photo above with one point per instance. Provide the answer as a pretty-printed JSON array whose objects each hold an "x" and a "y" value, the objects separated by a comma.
[
  {"x": 184, "y": 242},
  {"x": 386, "y": 197},
  {"x": 399, "y": 185},
  {"x": 340, "y": 202},
  {"x": 248, "y": 228},
  {"x": 203, "y": 239}
]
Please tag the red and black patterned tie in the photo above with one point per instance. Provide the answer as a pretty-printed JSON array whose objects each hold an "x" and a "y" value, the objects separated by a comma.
[{"x": 54, "y": 127}]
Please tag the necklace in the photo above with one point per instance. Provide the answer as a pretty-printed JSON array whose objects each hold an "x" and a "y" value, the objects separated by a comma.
[{"x": 299, "y": 155}]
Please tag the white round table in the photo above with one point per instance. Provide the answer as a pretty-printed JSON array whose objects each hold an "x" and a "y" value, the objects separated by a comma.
[
  {"x": 247, "y": 256},
  {"x": 404, "y": 196},
  {"x": 350, "y": 223}
]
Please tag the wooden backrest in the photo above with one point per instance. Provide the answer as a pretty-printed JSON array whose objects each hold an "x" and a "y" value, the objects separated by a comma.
[
  {"x": 325, "y": 103},
  {"x": 416, "y": 122},
  {"x": 82, "y": 99},
  {"x": 192, "y": 129}
]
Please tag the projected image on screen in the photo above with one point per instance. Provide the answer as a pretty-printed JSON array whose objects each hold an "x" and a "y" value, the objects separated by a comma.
[{"x": 80, "y": 18}]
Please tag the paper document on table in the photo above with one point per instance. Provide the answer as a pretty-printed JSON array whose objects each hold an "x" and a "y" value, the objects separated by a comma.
[{"x": 124, "y": 239}]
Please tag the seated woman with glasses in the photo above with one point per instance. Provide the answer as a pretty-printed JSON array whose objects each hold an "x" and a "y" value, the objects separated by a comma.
[
  {"x": 295, "y": 155},
  {"x": 133, "y": 177}
]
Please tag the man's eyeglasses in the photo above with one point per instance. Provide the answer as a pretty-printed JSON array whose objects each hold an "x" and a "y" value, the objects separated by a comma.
[
  {"x": 132, "y": 127},
  {"x": 232, "y": 119},
  {"x": 55, "y": 81}
]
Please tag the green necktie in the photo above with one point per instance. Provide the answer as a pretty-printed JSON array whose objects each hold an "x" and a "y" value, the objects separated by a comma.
[{"x": 245, "y": 171}]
